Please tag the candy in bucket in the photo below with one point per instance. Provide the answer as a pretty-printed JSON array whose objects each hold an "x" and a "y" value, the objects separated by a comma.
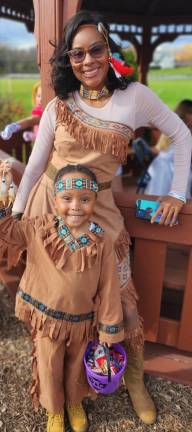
[{"x": 104, "y": 366}]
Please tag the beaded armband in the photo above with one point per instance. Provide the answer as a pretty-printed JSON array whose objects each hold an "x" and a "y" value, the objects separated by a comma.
[{"x": 111, "y": 329}]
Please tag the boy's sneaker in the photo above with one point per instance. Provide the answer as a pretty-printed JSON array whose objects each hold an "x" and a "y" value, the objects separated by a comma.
[
  {"x": 55, "y": 422},
  {"x": 77, "y": 417}
]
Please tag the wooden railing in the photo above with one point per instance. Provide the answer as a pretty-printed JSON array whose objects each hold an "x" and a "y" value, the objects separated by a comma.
[
  {"x": 162, "y": 269},
  {"x": 161, "y": 263},
  {"x": 17, "y": 147}
]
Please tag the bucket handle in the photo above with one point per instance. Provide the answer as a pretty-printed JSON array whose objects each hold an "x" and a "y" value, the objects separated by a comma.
[{"x": 106, "y": 351}]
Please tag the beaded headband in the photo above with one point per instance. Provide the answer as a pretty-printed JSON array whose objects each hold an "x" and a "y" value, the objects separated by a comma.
[
  {"x": 76, "y": 183},
  {"x": 101, "y": 29}
]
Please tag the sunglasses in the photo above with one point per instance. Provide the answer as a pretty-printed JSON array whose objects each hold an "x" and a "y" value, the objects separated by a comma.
[{"x": 77, "y": 55}]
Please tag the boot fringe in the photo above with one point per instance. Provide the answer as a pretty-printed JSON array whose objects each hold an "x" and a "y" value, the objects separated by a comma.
[{"x": 135, "y": 338}]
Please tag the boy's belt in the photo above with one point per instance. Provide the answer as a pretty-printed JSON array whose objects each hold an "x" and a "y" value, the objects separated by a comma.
[{"x": 51, "y": 172}]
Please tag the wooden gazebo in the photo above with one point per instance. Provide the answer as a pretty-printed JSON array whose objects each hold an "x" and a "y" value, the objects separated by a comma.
[
  {"x": 21, "y": 11},
  {"x": 146, "y": 23}
]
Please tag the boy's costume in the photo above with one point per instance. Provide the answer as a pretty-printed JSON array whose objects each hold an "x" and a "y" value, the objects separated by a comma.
[{"x": 69, "y": 291}]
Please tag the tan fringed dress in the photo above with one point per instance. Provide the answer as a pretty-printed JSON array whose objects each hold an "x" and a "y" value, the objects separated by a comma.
[
  {"x": 72, "y": 132},
  {"x": 67, "y": 294},
  {"x": 101, "y": 146}
]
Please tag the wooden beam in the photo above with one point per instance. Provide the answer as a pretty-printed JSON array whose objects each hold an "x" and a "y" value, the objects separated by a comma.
[
  {"x": 70, "y": 7},
  {"x": 148, "y": 272},
  {"x": 163, "y": 38},
  {"x": 50, "y": 17},
  {"x": 148, "y": 19},
  {"x": 185, "y": 338}
]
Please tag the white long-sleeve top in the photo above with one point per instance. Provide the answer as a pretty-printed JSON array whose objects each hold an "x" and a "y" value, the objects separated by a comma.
[{"x": 137, "y": 106}]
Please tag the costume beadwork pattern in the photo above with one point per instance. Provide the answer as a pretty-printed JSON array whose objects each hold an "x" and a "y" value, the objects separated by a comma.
[
  {"x": 76, "y": 183},
  {"x": 58, "y": 315},
  {"x": 111, "y": 329},
  {"x": 74, "y": 243},
  {"x": 98, "y": 123}
]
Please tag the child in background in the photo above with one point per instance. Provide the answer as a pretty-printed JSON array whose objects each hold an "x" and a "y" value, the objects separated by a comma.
[
  {"x": 32, "y": 121},
  {"x": 68, "y": 293}
]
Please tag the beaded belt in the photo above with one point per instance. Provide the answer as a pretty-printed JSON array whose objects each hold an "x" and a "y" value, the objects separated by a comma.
[
  {"x": 59, "y": 315},
  {"x": 51, "y": 172}
]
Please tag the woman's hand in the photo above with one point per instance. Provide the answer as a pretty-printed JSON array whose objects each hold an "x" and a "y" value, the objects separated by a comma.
[{"x": 169, "y": 209}]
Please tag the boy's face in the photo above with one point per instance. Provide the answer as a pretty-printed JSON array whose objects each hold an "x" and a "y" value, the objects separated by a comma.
[{"x": 75, "y": 205}]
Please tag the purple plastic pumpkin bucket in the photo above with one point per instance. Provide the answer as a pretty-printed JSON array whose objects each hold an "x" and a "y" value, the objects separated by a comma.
[{"x": 100, "y": 383}]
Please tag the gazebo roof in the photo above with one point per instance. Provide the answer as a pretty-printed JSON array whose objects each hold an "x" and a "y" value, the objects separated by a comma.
[
  {"x": 18, "y": 10},
  {"x": 140, "y": 11}
]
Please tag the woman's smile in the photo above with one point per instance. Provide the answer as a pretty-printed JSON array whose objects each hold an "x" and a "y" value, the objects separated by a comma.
[{"x": 91, "y": 72}]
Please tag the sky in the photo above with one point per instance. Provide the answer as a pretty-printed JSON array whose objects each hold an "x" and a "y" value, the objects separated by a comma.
[{"x": 16, "y": 35}]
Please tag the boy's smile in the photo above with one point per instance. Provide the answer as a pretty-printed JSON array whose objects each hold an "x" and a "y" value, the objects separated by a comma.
[{"x": 75, "y": 206}]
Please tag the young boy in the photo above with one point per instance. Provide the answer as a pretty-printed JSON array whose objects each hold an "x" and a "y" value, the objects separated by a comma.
[{"x": 68, "y": 293}]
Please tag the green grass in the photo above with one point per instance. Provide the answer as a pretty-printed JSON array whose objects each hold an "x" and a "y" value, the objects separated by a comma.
[
  {"x": 185, "y": 70},
  {"x": 171, "y": 90},
  {"x": 18, "y": 89}
]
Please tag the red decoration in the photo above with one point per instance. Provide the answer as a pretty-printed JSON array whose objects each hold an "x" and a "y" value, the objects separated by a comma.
[{"x": 121, "y": 68}]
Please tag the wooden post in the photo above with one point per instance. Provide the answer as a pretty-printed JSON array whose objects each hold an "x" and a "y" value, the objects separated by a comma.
[
  {"x": 145, "y": 54},
  {"x": 185, "y": 339},
  {"x": 50, "y": 17}
]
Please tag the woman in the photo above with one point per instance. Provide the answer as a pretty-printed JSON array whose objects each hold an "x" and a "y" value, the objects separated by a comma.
[{"x": 91, "y": 122}]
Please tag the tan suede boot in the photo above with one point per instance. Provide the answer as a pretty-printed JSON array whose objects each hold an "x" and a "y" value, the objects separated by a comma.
[
  {"x": 55, "y": 422},
  {"x": 77, "y": 417},
  {"x": 141, "y": 400}
]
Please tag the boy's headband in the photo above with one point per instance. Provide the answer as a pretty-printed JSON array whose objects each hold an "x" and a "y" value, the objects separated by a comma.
[{"x": 76, "y": 183}]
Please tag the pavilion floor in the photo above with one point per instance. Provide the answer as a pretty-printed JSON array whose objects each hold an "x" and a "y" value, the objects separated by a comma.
[{"x": 112, "y": 413}]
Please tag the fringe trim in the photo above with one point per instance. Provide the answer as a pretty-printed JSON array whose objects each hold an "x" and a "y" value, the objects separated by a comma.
[
  {"x": 34, "y": 390},
  {"x": 122, "y": 245},
  {"x": 48, "y": 326},
  {"x": 90, "y": 137},
  {"x": 85, "y": 257},
  {"x": 135, "y": 338},
  {"x": 11, "y": 253}
]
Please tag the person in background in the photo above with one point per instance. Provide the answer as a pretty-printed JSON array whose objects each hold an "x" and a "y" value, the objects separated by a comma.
[
  {"x": 160, "y": 172},
  {"x": 29, "y": 122}
]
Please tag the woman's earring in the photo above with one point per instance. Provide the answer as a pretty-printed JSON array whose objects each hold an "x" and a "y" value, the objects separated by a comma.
[
  {"x": 119, "y": 67},
  {"x": 110, "y": 60}
]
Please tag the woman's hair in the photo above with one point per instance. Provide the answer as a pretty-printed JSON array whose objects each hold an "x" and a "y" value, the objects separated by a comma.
[
  {"x": 74, "y": 169},
  {"x": 184, "y": 107},
  {"x": 63, "y": 78}
]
